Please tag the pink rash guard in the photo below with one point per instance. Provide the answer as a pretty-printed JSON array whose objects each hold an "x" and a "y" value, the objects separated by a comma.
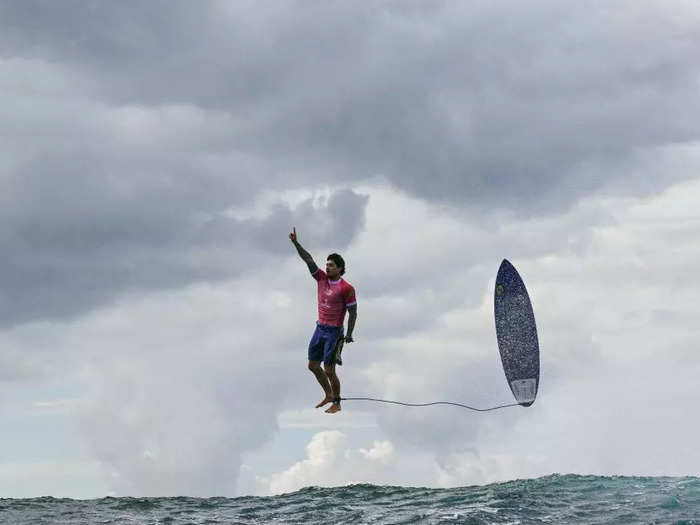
[{"x": 334, "y": 297}]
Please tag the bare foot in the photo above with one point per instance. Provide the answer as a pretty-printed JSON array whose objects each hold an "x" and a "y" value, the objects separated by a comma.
[
  {"x": 325, "y": 402},
  {"x": 335, "y": 407}
]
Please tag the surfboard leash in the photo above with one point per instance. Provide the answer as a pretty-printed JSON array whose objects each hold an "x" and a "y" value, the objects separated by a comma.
[{"x": 428, "y": 404}]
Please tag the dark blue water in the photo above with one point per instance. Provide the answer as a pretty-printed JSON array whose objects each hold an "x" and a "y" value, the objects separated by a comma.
[{"x": 551, "y": 499}]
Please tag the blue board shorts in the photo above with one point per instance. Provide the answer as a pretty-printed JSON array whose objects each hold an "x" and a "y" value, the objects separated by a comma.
[{"x": 326, "y": 344}]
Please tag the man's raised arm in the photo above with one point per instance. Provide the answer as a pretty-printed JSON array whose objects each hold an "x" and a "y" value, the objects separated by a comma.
[{"x": 306, "y": 257}]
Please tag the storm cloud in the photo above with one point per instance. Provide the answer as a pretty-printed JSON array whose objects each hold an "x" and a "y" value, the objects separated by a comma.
[{"x": 131, "y": 127}]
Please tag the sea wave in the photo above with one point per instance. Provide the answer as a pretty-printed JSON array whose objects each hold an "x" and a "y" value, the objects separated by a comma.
[{"x": 550, "y": 499}]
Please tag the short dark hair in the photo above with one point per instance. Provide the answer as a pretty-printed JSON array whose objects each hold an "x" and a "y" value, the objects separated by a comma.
[{"x": 338, "y": 260}]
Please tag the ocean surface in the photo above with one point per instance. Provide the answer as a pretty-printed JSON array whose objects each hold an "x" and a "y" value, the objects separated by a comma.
[{"x": 551, "y": 499}]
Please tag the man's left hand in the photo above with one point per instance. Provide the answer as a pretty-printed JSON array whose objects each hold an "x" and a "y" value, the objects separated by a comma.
[{"x": 348, "y": 339}]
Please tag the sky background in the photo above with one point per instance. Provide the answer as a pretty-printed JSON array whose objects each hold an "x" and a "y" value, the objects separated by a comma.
[{"x": 154, "y": 316}]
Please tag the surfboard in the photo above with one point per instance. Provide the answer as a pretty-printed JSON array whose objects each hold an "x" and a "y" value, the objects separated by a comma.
[{"x": 517, "y": 334}]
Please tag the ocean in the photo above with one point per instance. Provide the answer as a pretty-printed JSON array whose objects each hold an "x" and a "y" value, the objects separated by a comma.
[{"x": 550, "y": 499}]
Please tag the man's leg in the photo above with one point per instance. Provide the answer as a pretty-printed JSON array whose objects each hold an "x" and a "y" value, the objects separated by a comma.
[
  {"x": 335, "y": 387},
  {"x": 322, "y": 378}
]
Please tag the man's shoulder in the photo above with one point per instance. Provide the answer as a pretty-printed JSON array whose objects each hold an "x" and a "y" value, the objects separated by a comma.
[{"x": 348, "y": 291}]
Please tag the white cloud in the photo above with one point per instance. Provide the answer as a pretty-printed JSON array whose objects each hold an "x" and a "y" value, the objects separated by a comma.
[
  {"x": 381, "y": 451},
  {"x": 330, "y": 461},
  {"x": 317, "y": 469}
]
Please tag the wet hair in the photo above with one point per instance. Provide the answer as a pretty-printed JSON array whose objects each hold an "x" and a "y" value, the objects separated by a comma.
[{"x": 338, "y": 260}]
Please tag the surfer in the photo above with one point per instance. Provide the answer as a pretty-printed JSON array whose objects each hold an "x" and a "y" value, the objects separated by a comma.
[{"x": 335, "y": 297}]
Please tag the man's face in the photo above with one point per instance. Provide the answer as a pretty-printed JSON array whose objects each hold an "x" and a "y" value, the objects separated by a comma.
[{"x": 332, "y": 270}]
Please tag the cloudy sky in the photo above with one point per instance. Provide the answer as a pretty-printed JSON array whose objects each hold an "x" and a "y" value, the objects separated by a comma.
[{"x": 154, "y": 316}]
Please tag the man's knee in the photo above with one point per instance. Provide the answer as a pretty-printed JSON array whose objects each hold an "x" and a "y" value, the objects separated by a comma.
[
  {"x": 315, "y": 366},
  {"x": 329, "y": 369}
]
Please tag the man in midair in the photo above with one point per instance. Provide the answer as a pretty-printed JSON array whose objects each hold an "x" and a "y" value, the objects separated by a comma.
[{"x": 335, "y": 297}]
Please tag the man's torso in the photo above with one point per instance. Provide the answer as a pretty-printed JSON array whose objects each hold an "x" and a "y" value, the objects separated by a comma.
[{"x": 333, "y": 299}]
